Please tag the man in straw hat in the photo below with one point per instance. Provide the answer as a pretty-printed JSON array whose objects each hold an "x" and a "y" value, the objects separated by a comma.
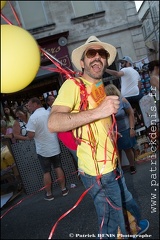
[{"x": 82, "y": 106}]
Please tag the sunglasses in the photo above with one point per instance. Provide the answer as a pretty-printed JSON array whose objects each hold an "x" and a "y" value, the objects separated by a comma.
[
  {"x": 102, "y": 53},
  {"x": 123, "y": 62}
]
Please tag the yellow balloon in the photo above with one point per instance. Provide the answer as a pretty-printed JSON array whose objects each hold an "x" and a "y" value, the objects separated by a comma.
[
  {"x": 20, "y": 58},
  {"x": 3, "y": 4}
]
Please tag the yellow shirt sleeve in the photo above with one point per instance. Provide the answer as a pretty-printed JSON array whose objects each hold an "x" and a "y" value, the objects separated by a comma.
[{"x": 68, "y": 95}]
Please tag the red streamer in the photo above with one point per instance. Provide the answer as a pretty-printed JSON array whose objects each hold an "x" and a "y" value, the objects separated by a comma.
[
  {"x": 41, "y": 189},
  {"x": 5, "y": 19},
  {"x": 66, "y": 213},
  {"x": 15, "y": 14}
]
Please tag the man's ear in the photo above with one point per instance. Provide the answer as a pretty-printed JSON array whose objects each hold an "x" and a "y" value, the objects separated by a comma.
[{"x": 82, "y": 63}]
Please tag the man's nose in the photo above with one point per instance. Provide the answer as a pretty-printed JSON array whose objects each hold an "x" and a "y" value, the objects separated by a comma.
[{"x": 97, "y": 56}]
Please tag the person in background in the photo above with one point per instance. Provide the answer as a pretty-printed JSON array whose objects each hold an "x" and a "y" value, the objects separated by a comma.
[
  {"x": 14, "y": 106},
  {"x": 153, "y": 68},
  {"x": 66, "y": 138},
  {"x": 49, "y": 101},
  {"x": 130, "y": 80},
  {"x": 135, "y": 67},
  {"x": 9, "y": 116},
  {"x": 88, "y": 112},
  {"x": 47, "y": 146},
  {"x": 25, "y": 106},
  {"x": 125, "y": 126},
  {"x": 19, "y": 127},
  {"x": 144, "y": 66},
  {"x": 6, "y": 132}
]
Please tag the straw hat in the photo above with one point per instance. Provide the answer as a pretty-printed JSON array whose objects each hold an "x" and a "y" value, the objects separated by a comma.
[{"x": 92, "y": 40}]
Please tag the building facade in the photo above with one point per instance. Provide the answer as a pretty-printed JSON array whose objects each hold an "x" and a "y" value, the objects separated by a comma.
[
  {"x": 148, "y": 14},
  {"x": 61, "y": 26}
]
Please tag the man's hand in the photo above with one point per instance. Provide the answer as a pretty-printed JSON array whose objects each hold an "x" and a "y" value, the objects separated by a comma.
[{"x": 108, "y": 107}]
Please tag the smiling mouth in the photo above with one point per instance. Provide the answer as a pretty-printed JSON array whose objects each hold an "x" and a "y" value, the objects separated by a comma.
[{"x": 97, "y": 67}]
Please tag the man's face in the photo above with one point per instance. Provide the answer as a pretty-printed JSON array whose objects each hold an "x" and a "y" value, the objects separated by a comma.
[
  {"x": 94, "y": 62},
  {"x": 123, "y": 64},
  {"x": 20, "y": 115},
  {"x": 50, "y": 100},
  {"x": 32, "y": 106},
  {"x": 7, "y": 110}
]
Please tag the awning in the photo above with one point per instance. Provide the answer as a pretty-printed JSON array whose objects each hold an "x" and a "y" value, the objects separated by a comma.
[{"x": 44, "y": 72}]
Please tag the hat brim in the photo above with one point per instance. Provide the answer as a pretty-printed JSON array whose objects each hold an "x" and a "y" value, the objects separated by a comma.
[
  {"x": 121, "y": 60},
  {"x": 124, "y": 60},
  {"x": 78, "y": 52}
]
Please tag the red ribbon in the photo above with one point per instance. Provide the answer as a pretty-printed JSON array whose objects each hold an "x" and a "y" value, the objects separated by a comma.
[
  {"x": 66, "y": 213},
  {"x": 15, "y": 15}
]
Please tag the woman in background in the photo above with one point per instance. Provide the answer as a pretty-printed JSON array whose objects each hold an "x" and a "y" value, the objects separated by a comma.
[
  {"x": 125, "y": 126},
  {"x": 19, "y": 127},
  {"x": 6, "y": 132},
  {"x": 9, "y": 116}
]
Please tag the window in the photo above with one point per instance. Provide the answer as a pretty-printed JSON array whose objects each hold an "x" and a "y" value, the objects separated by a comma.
[
  {"x": 148, "y": 27},
  {"x": 32, "y": 14},
  {"x": 144, "y": 31},
  {"x": 82, "y": 8},
  {"x": 154, "y": 14}
]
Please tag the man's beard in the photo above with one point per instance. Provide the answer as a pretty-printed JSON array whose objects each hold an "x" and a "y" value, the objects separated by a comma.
[{"x": 93, "y": 75}]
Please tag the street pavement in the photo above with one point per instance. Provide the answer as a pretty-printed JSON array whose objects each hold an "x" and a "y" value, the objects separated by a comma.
[{"x": 31, "y": 217}]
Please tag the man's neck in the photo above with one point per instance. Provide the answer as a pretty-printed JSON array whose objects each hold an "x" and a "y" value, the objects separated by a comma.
[{"x": 89, "y": 79}]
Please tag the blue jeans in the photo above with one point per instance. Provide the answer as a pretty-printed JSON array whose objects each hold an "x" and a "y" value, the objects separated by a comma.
[
  {"x": 128, "y": 201},
  {"x": 109, "y": 195}
]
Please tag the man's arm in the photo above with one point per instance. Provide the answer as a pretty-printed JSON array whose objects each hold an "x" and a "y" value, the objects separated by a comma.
[
  {"x": 61, "y": 119},
  {"x": 30, "y": 135},
  {"x": 139, "y": 85},
  {"x": 17, "y": 132},
  {"x": 154, "y": 82},
  {"x": 114, "y": 73}
]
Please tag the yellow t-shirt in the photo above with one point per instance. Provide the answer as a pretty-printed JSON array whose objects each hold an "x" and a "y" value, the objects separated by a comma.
[{"x": 88, "y": 161}]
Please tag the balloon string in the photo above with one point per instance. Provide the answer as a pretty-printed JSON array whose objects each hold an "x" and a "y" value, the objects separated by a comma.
[
  {"x": 15, "y": 14},
  {"x": 47, "y": 54},
  {"x": 5, "y": 19},
  {"x": 57, "y": 64},
  {"x": 66, "y": 213}
]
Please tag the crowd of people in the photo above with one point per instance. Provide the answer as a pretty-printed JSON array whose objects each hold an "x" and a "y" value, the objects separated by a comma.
[{"x": 82, "y": 119}]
